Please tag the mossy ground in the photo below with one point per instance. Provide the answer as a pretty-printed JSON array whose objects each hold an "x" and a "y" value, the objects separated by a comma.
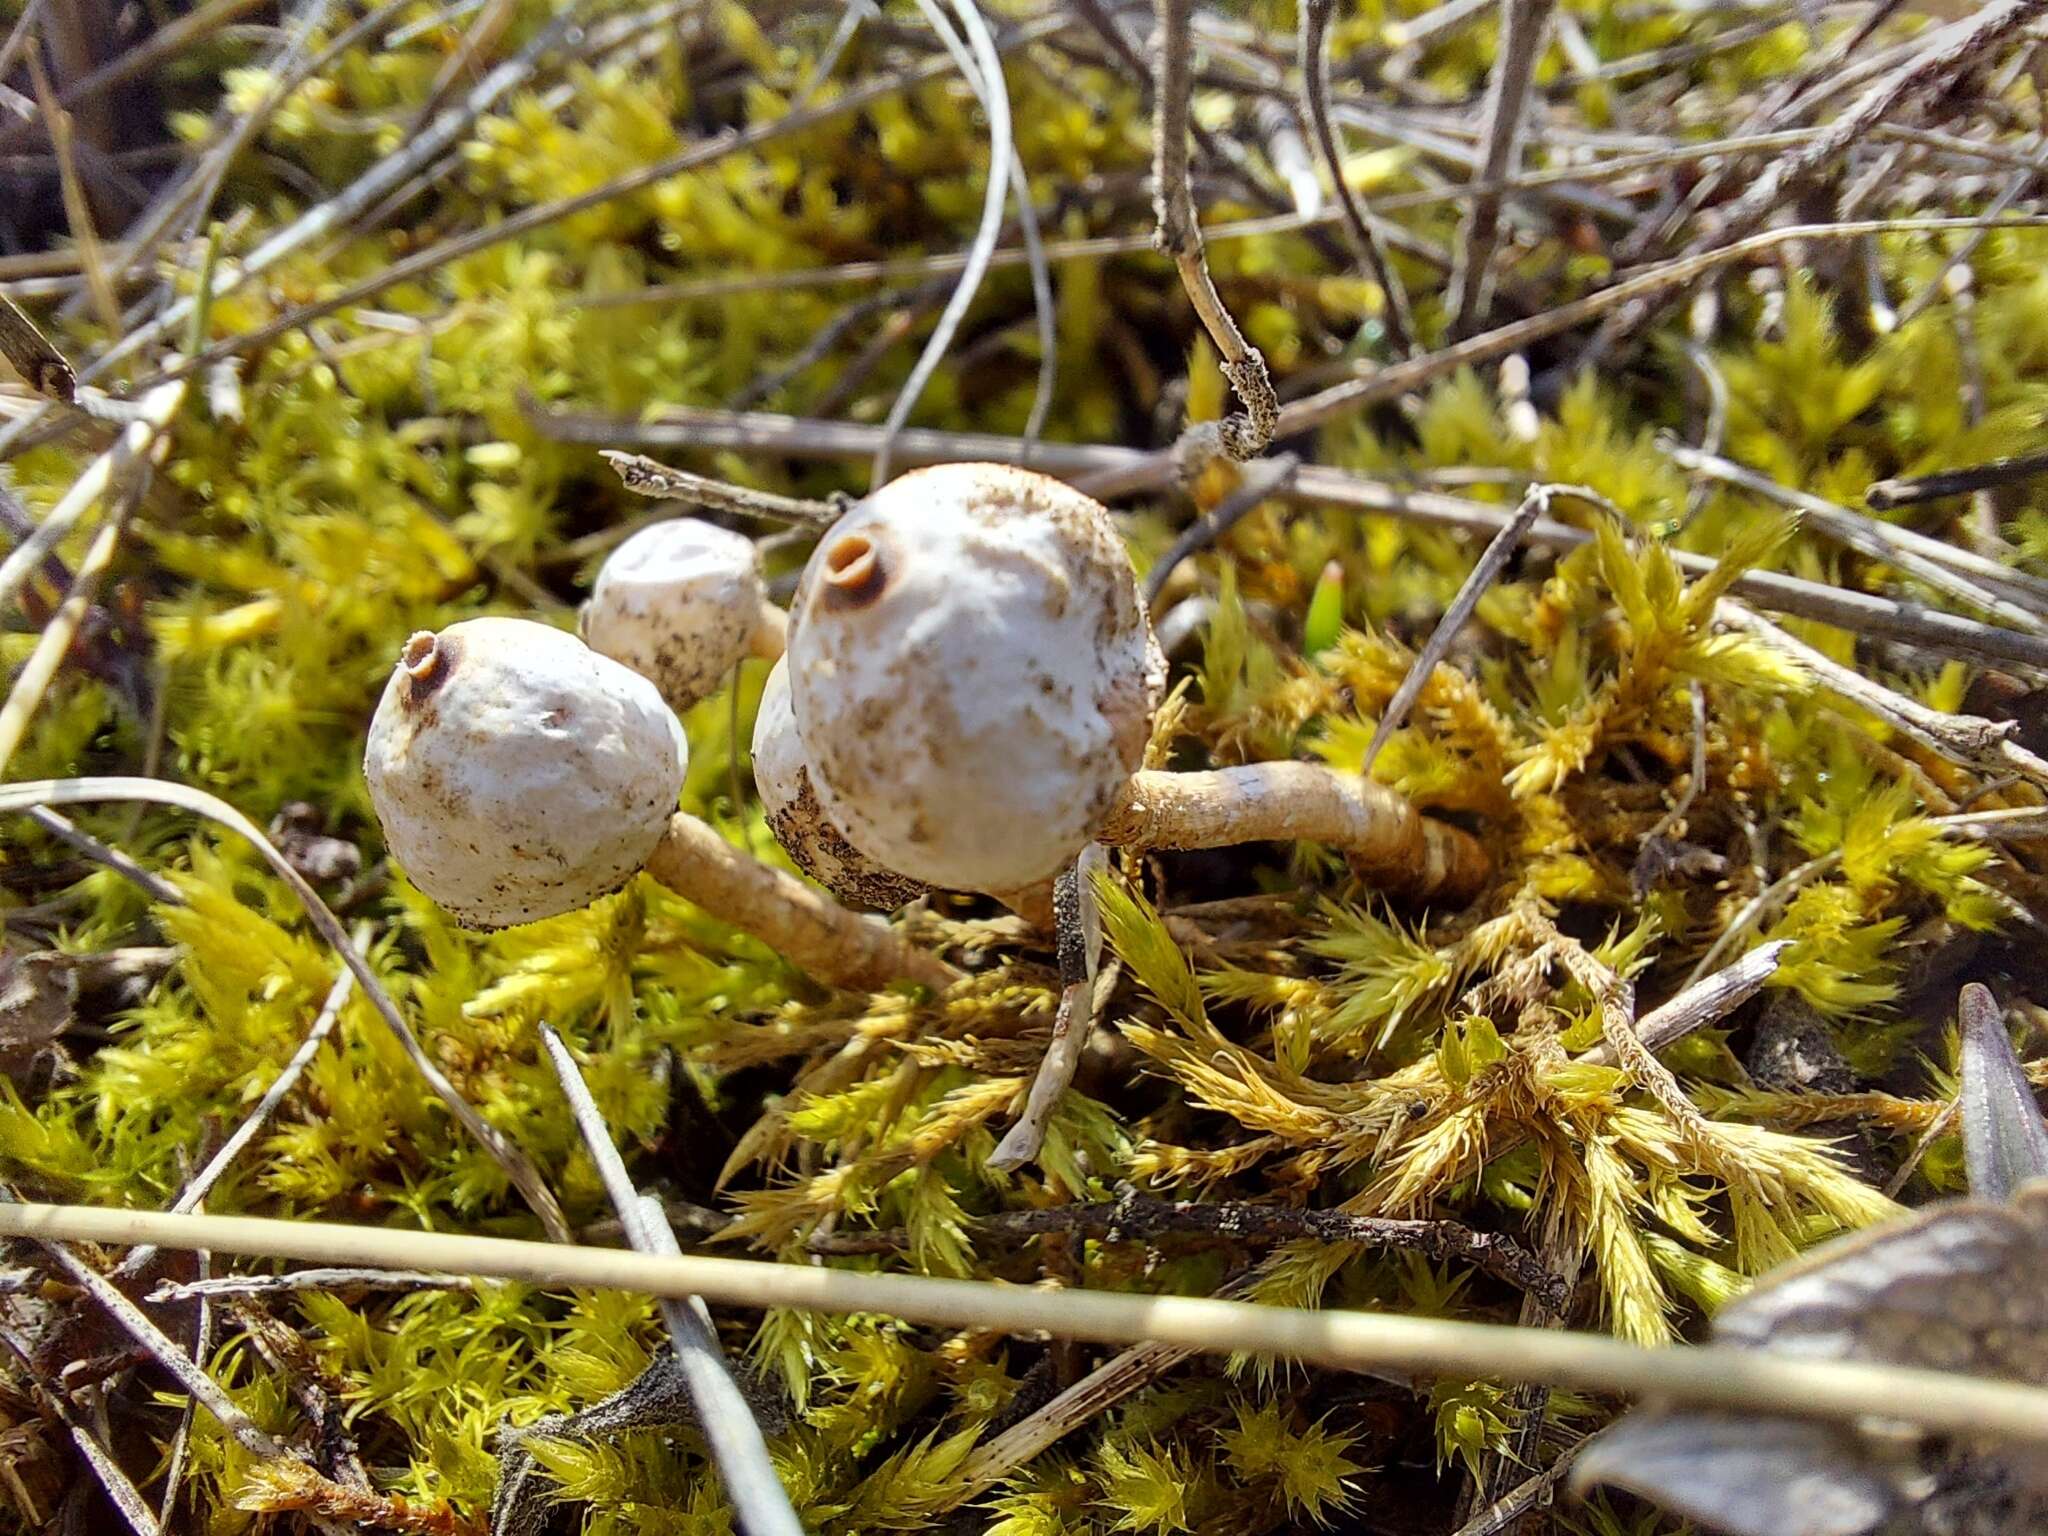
[{"x": 1280, "y": 1034}]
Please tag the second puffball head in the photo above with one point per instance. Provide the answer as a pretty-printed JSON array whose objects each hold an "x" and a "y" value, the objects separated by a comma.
[
  {"x": 679, "y": 602},
  {"x": 517, "y": 773}
]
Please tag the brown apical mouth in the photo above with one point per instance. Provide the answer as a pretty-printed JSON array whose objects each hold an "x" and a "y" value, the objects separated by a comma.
[
  {"x": 854, "y": 573},
  {"x": 427, "y": 660}
]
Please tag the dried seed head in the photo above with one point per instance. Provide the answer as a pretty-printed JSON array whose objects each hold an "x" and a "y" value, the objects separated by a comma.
[
  {"x": 973, "y": 674},
  {"x": 678, "y": 602},
  {"x": 519, "y": 774},
  {"x": 819, "y": 848}
]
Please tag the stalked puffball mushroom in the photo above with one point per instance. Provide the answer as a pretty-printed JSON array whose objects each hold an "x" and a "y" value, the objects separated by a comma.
[
  {"x": 972, "y": 673},
  {"x": 819, "y": 848},
  {"x": 488, "y": 722},
  {"x": 974, "y": 677},
  {"x": 519, "y": 775},
  {"x": 682, "y": 602}
]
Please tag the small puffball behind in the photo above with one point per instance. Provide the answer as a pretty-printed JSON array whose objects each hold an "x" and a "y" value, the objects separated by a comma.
[
  {"x": 517, "y": 773},
  {"x": 800, "y": 824},
  {"x": 973, "y": 674},
  {"x": 681, "y": 602}
]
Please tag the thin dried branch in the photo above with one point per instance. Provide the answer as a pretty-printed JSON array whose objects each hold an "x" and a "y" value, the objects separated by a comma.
[
  {"x": 346, "y": 1281},
  {"x": 1702, "y": 1002},
  {"x": 1945, "y": 566},
  {"x": 1492, "y": 561},
  {"x": 1529, "y": 1494},
  {"x": 1969, "y": 740},
  {"x": 1100, "y": 1390},
  {"x": 1522, "y": 23},
  {"x": 1262, "y": 480},
  {"x": 647, "y": 478},
  {"x": 32, "y": 355},
  {"x": 159, "y": 889},
  {"x": 1078, "y": 928},
  {"x": 1365, "y": 235},
  {"x": 181, "y": 1438},
  {"x": 194, "y": 1194},
  {"x": 77, "y": 205},
  {"x": 1938, "y": 284},
  {"x": 1180, "y": 237},
  {"x": 1708, "y": 1376},
  {"x": 1911, "y": 491},
  {"x": 1134, "y": 1218}
]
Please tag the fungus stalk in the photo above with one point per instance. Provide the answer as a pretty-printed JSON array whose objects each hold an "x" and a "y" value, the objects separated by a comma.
[
  {"x": 802, "y": 923},
  {"x": 1384, "y": 838}
]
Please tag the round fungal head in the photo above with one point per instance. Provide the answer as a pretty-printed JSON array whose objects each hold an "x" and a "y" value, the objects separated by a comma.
[
  {"x": 972, "y": 673},
  {"x": 517, "y": 773},
  {"x": 679, "y": 602},
  {"x": 799, "y": 821}
]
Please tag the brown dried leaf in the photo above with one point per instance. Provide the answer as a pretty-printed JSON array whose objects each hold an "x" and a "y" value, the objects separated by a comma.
[
  {"x": 38, "y": 998},
  {"x": 30, "y": 353},
  {"x": 1960, "y": 1287}
]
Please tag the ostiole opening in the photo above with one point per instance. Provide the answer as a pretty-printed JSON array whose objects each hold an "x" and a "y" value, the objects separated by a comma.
[
  {"x": 427, "y": 658},
  {"x": 853, "y": 573}
]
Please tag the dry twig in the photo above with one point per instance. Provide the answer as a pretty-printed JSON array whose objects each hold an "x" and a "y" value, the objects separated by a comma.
[
  {"x": 1366, "y": 236},
  {"x": 1507, "y": 106},
  {"x": 1707, "y": 1376},
  {"x": 1180, "y": 237}
]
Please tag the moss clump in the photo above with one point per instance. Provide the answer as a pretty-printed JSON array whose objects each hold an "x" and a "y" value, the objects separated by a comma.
[{"x": 1655, "y": 790}]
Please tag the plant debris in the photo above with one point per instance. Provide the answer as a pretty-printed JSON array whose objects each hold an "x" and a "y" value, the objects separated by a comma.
[{"x": 1596, "y": 445}]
